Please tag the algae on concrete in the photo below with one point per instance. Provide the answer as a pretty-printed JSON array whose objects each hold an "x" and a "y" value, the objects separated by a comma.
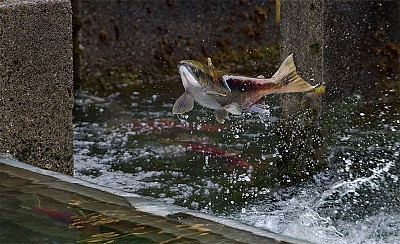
[{"x": 149, "y": 38}]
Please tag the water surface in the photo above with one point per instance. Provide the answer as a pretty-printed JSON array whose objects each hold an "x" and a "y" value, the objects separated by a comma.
[{"x": 130, "y": 140}]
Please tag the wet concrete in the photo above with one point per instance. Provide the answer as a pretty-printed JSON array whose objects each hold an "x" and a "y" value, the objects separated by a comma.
[{"x": 164, "y": 222}]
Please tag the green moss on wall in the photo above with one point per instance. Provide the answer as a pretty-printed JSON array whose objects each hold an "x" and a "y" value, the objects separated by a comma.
[
  {"x": 111, "y": 79},
  {"x": 314, "y": 48}
]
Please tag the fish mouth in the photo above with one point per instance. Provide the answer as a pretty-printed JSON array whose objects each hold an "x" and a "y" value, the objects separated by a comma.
[{"x": 186, "y": 73}]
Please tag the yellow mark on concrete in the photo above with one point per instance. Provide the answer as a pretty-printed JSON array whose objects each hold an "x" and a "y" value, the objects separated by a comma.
[
  {"x": 278, "y": 11},
  {"x": 320, "y": 89},
  {"x": 317, "y": 91}
]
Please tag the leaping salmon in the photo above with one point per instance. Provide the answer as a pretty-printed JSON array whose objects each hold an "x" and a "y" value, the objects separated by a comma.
[{"x": 229, "y": 93}]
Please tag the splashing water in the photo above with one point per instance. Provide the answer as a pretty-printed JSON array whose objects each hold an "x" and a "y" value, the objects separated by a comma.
[{"x": 131, "y": 141}]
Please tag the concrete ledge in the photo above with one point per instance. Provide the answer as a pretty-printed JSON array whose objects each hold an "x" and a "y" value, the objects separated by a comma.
[
  {"x": 229, "y": 231},
  {"x": 36, "y": 83}
]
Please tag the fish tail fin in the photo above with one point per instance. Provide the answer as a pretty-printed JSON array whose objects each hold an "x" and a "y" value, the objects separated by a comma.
[
  {"x": 33, "y": 202},
  {"x": 288, "y": 79}
]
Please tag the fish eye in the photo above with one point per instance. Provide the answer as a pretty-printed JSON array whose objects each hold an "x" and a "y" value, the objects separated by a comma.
[{"x": 197, "y": 72}]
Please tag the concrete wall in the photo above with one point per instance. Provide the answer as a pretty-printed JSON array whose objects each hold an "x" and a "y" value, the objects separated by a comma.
[
  {"x": 343, "y": 43},
  {"x": 350, "y": 47},
  {"x": 147, "y": 38},
  {"x": 36, "y": 82}
]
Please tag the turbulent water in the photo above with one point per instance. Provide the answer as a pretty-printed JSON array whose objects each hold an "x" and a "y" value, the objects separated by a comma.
[{"x": 129, "y": 140}]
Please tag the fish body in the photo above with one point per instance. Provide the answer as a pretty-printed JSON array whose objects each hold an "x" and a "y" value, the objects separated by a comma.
[
  {"x": 55, "y": 214},
  {"x": 157, "y": 125},
  {"x": 64, "y": 217},
  {"x": 216, "y": 152},
  {"x": 229, "y": 93}
]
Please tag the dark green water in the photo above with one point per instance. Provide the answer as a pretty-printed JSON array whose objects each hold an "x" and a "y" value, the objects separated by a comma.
[{"x": 36, "y": 208}]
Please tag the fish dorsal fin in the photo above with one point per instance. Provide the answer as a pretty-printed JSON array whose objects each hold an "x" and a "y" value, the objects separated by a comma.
[
  {"x": 220, "y": 115},
  {"x": 184, "y": 104},
  {"x": 209, "y": 62},
  {"x": 233, "y": 108}
]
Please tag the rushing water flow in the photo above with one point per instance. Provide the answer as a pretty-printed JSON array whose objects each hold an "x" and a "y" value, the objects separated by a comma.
[{"x": 129, "y": 140}]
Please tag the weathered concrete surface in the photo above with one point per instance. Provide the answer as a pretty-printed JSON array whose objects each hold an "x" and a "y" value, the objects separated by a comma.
[
  {"x": 299, "y": 137},
  {"x": 36, "y": 82},
  {"x": 140, "y": 38},
  {"x": 350, "y": 46}
]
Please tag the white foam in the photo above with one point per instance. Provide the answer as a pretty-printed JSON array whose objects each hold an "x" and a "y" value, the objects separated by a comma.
[{"x": 309, "y": 212}]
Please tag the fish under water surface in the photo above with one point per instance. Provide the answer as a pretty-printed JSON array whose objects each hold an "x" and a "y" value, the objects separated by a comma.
[{"x": 228, "y": 93}]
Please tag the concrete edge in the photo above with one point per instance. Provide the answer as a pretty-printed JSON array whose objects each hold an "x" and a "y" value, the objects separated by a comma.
[
  {"x": 18, "y": 2},
  {"x": 147, "y": 204}
]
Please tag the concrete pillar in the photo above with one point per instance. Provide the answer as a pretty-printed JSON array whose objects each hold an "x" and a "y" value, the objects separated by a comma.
[
  {"x": 350, "y": 46},
  {"x": 36, "y": 83},
  {"x": 342, "y": 43}
]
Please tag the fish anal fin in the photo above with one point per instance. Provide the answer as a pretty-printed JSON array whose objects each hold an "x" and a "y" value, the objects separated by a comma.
[
  {"x": 220, "y": 115},
  {"x": 260, "y": 108},
  {"x": 233, "y": 108},
  {"x": 184, "y": 104}
]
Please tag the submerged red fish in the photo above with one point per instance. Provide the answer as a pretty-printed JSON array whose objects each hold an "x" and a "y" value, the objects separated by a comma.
[
  {"x": 228, "y": 93},
  {"x": 65, "y": 216},
  {"x": 213, "y": 151},
  {"x": 74, "y": 220},
  {"x": 143, "y": 126}
]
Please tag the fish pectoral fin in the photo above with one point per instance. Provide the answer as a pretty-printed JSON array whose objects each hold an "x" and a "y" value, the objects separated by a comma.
[
  {"x": 233, "y": 108},
  {"x": 184, "y": 104},
  {"x": 220, "y": 115}
]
